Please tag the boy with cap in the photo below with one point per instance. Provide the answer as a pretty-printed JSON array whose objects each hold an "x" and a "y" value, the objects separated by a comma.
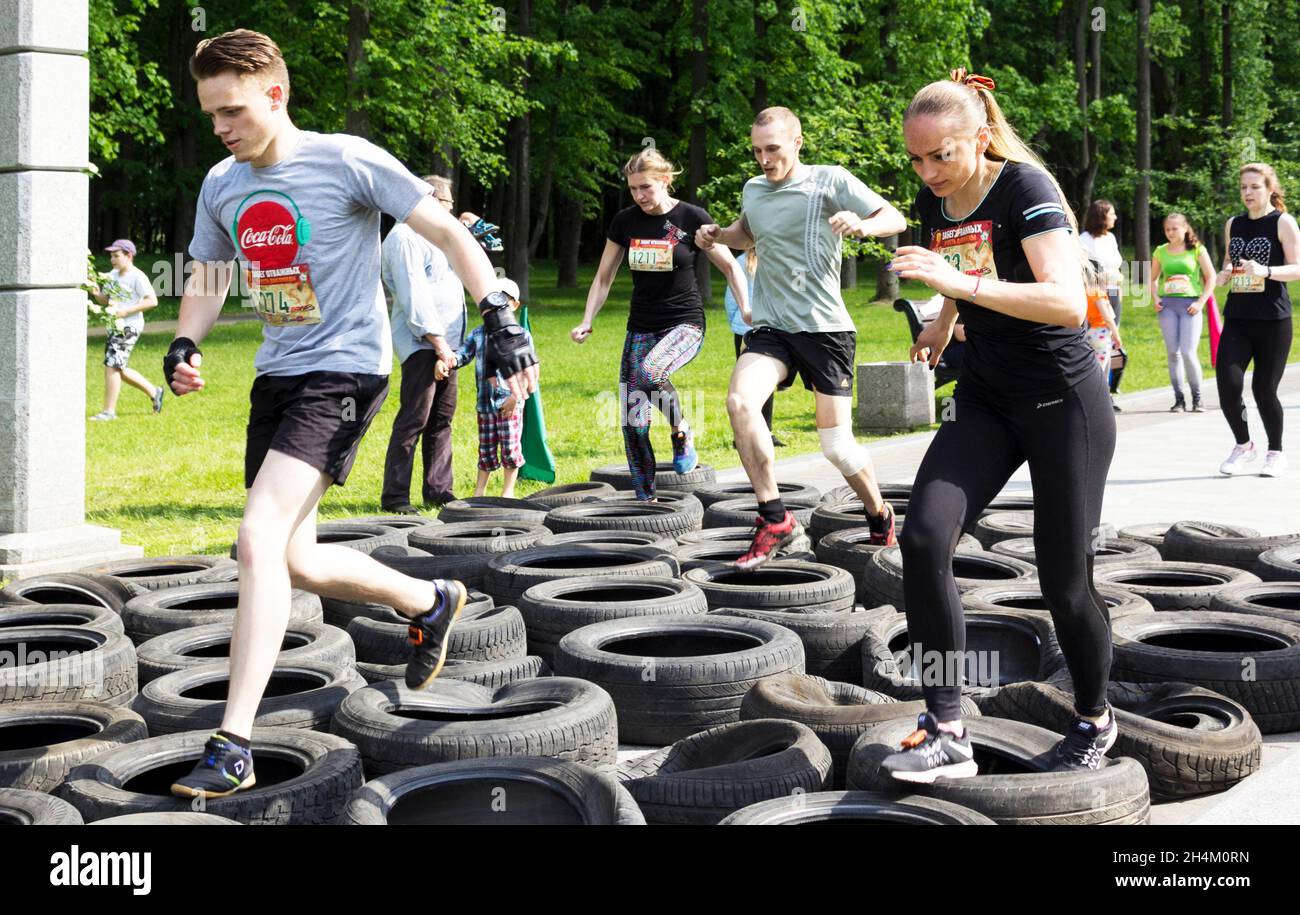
[{"x": 128, "y": 296}]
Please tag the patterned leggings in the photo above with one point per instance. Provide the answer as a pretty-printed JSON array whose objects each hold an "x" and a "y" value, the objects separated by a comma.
[{"x": 648, "y": 360}]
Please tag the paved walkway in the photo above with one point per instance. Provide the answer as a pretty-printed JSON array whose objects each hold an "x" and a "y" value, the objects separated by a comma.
[
  {"x": 158, "y": 327},
  {"x": 1165, "y": 469}
]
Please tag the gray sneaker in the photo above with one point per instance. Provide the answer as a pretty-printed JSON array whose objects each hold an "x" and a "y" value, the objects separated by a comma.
[
  {"x": 929, "y": 753},
  {"x": 103, "y": 416},
  {"x": 157, "y": 400}
]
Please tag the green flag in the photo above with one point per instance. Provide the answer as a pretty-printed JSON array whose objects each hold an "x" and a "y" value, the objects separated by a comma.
[{"x": 539, "y": 463}]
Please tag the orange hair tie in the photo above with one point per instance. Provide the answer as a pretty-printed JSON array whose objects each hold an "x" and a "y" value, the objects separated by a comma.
[{"x": 972, "y": 79}]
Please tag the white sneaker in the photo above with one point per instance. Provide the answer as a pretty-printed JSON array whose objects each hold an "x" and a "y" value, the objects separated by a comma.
[
  {"x": 1241, "y": 454},
  {"x": 1274, "y": 464},
  {"x": 103, "y": 415}
]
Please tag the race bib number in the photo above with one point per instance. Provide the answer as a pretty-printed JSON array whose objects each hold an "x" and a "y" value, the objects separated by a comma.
[
  {"x": 284, "y": 296},
  {"x": 967, "y": 247},
  {"x": 1247, "y": 282},
  {"x": 1178, "y": 284},
  {"x": 654, "y": 254}
]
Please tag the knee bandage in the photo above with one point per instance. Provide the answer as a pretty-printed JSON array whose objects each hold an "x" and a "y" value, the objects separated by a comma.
[{"x": 843, "y": 450}]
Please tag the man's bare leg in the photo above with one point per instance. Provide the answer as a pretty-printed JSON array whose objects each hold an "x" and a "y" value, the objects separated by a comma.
[
  {"x": 838, "y": 411},
  {"x": 753, "y": 381}
]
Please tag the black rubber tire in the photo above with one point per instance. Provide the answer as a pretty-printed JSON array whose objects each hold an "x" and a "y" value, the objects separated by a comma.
[
  {"x": 709, "y": 493},
  {"x": 179, "y": 818},
  {"x": 341, "y": 613},
  {"x": 41, "y": 742},
  {"x": 701, "y": 779},
  {"x": 735, "y": 533},
  {"x": 724, "y": 553},
  {"x": 995, "y": 526},
  {"x": 554, "y": 609},
  {"x": 323, "y": 772},
  {"x": 1113, "y": 551},
  {"x": 1019, "y": 790},
  {"x": 1189, "y": 740},
  {"x": 493, "y": 508},
  {"x": 1281, "y": 564},
  {"x": 490, "y": 634},
  {"x": 93, "y": 665},
  {"x": 663, "y": 698},
  {"x": 837, "y": 808},
  {"x": 836, "y": 711},
  {"x": 1278, "y": 599},
  {"x": 1011, "y": 502},
  {"x": 396, "y": 728},
  {"x": 610, "y": 537},
  {"x": 543, "y": 792},
  {"x": 890, "y": 492},
  {"x": 1033, "y": 651},
  {"x": 509, "y": 575},
  {"x": 155, "y": 612},
  {"x": 198, "y": 645},
  {"x": 356, "y": 535},
  {"x": 844, "y": 514},
  {"x": 571, "y": 493},
  {"x": 467, "y": 547},
  {"x": 1152, "y": 534},
  {"x": 1218, "y": 544},
  {"x": 883, "y": 579},
  {"x": 87, "y": 615},
  {"x": 35, "y": 808},
  {"x": 618, "y": 476},
  {"x": 318, "y": 690},
  {"x": 1255, "y": 660},
  {"x": 665, "y": 518},
  {"x": 848, "y": 549},
  {"x": 406, "y": 523},
  {"x": 157, "y": 574},
  {"x": 71, "y": 588},
  {"x": 1029, "y": 596},
  {"x": 775, "y": 585},
  {"x": 744, "y": 510},
  {"x": 1174, "y": 586},
  {"x": 484, "y": 673},
  {"x": 832, "y": 642}
]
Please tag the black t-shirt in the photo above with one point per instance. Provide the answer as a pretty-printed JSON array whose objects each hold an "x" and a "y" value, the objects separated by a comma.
[
  {"x": 1255, "y": 298},
  {"x": 1009, "y": 356},
  {"x": 661, "y": 254}
]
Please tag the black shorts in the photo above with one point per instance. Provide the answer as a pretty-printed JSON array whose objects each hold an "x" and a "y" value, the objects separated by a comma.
[
  {"x": 318, "y": 418},
  {"x": 823, "y": 360}
]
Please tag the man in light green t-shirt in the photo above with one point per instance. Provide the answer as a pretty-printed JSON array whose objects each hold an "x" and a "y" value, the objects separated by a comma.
[{"x": 794, "y": 216}]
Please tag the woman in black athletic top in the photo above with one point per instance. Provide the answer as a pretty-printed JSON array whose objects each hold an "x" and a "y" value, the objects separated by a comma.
[
  {"x": 1262, "y": 250},
  {"x": 997, "y": 241}
]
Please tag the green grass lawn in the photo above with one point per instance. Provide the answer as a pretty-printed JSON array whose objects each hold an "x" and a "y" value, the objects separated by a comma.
[{"x": 174, "y": 483}]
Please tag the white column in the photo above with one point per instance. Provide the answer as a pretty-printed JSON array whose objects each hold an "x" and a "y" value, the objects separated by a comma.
[{"x": 44, "y": 132}]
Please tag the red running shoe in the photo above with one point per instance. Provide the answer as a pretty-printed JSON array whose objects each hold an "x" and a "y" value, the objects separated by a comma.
[
  {"x": 768, "y": 541},
  {"x": 886, "y": 536}
]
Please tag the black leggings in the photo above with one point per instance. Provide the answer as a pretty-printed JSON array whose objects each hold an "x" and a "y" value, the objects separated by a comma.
[
  {"x": 1269, "y": 344},
  {"x": 1068, "y": 440}
]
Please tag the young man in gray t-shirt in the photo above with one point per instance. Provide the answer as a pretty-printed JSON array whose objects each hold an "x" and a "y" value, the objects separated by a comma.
[
  {"x": 794, "y": 216},
  {"x": 300, "y": 212}
]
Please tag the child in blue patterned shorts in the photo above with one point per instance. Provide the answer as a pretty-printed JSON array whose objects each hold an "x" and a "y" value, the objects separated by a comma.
[{"x": 500, "y": 417}]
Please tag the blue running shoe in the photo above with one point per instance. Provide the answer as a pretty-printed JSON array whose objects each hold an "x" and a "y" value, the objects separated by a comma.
[
  {"x": 430, "y": 633},
  {"x": 684, "y": 456},
  {"x": 225, "y": 768}
]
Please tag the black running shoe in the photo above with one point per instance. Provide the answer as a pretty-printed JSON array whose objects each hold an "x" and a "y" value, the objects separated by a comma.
[
  {"x": 1085, "y": 744},
  {"x": 929, "y": 753},
  {"x": 429, "y": 633},
  {"x": 225, "y": 768}
]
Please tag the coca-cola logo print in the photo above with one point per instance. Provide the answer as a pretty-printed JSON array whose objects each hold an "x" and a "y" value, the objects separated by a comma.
[{"x": 265, "y": 234}]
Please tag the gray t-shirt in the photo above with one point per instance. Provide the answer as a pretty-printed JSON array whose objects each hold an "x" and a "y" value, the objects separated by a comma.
[
  {"x": 306, "y": 231},
  {"x": 797, "y": 284},
  {"x": 132, "y": 286},
  {"x": 428, "y": 297}
]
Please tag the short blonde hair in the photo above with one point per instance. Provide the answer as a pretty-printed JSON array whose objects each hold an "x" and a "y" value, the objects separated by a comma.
[{"x": 653, "y": 162}]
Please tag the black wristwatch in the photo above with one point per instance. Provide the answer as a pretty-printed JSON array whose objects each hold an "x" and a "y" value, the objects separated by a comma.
[{"x": 493, "y": 301}]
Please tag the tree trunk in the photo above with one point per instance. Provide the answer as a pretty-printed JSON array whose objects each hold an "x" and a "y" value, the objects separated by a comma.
[
  {"x": 1142, "y": 196},
  {"x": 1081, "y": 76},
  {"x": 759, "y": 101},
  {"x": 886, "y": 279},
  {"x": 568, "y": 231},
  {"x": 848, "y": 272},
  {"x": 548, "y": 180},
  {"x": 357, "y": 120},
  {"x": 521, "y": 195},
  {"x": 1226, "y": 115},
  {"x": 699, "y": 129}
]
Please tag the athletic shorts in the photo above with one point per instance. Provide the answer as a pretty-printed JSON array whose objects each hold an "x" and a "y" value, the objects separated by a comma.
[
  {"x": 318, "y": 418},
  {"x": 823, "y": 360},
  {"x": 117, "y": 348}
]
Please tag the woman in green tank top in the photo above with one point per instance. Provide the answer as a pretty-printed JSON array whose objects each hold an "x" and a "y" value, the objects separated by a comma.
[{"x": 1182, "y": 278}]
